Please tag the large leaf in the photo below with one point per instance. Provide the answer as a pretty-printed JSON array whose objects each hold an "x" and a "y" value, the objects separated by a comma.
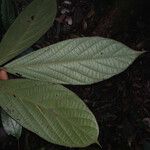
[
  {"x": 11, "y": 127},
  {"x": 8, "y": 13},
  {"x": 75, "y": 61},
  {"x": 29, "y": 26},
  {"x": 51, "y": 111}
]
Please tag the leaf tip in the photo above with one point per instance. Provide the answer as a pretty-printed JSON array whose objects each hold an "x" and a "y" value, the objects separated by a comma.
[{"x": 97, "y": 142}]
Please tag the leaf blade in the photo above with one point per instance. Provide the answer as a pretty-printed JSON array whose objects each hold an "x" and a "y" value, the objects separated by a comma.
[
  {"x": 75, "y": 61},
  {"x": 8, "y": 13},
  {"x": 10, "y": 125},
  {"x": 51, "y": 111},
  {"x": 28, "y": 27}
]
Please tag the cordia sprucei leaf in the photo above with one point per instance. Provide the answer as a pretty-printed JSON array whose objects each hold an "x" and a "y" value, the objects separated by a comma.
[
  {"x": 28, "y": 27},
  {"x": 11, "y": 127},
  {"x": 51, "y": 111},
  {"x": 77, "y": 61}
]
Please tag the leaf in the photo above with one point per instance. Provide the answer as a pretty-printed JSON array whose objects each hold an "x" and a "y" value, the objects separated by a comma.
[
  {"x": 8, "y": 13},
  {"x": 29, "y": 26},
  {"x": 76, "y": 61},
  {"x": 51, "y": 111},
  {"x": 10, "y": 125}
]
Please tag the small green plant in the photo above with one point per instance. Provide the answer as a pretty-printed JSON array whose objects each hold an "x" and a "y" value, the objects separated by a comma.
[{"x": 39, "y": 102}]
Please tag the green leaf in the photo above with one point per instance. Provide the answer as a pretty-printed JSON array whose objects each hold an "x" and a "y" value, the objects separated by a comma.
[
  {"x": 51, "y": 111},
  {"x": 10, "y": 125},
  {"x": 76, "y": 61},
  {"x": 8, "y": 13},
  {"x": 29, "y": 26}
]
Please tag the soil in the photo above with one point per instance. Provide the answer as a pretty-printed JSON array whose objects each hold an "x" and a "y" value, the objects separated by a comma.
[{"x": 120, "y": 104}]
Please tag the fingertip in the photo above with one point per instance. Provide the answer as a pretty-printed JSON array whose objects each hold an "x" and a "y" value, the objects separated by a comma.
[{"x": 3, "y": 75}]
